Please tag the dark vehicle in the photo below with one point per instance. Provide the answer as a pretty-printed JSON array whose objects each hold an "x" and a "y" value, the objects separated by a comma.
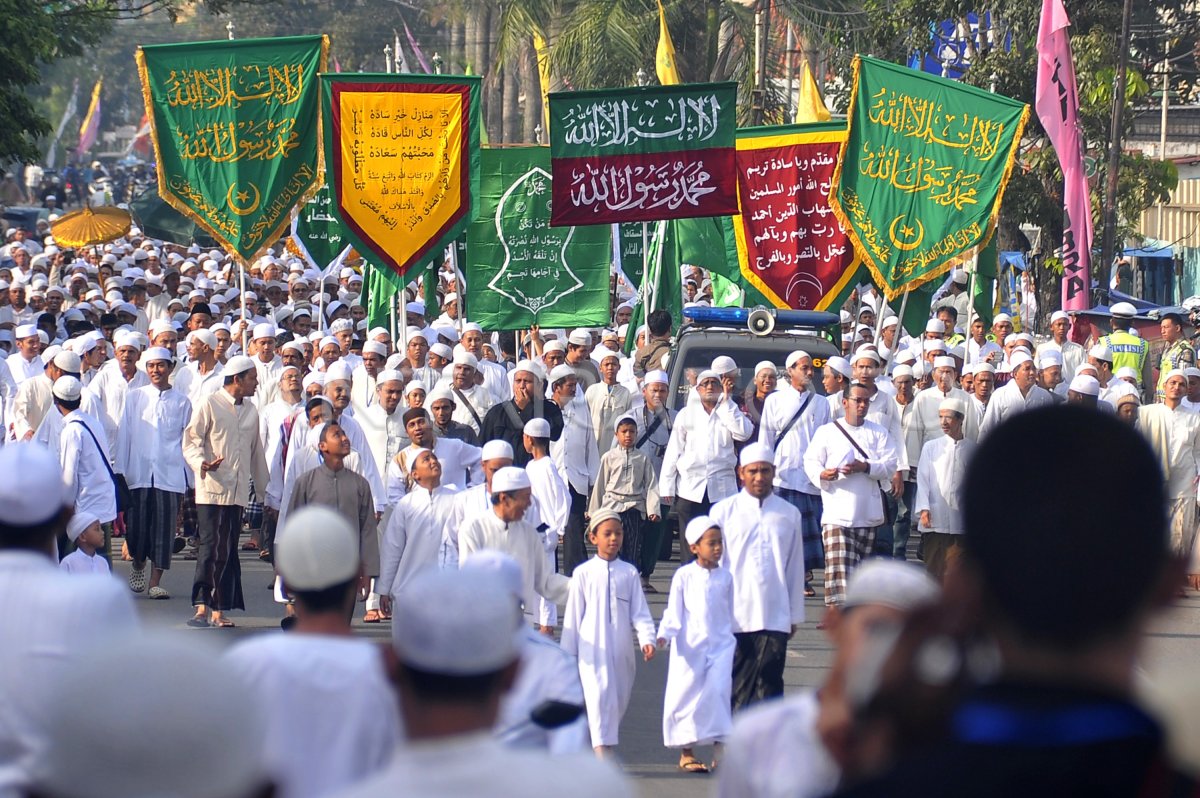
[{"x": 749, "y": 336}]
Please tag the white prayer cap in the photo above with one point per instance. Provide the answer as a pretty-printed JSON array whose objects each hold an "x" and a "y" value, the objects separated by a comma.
[
  {"x": 415, "y": 307},
  {"x": 82, "y": 758},
  {"x": 328, "y": 340},
  {"x": 1019, "y": 357},
  {"x": 1059, "y": 315},
  {"x": 600, "y": 516},
  {"x": 375, "y": 332},
  {"x": 1088, "y": 367},
  {"x": 707, "y": 374},
  {"x": 471, "y": 326},
  {"x": 890, "y": 583},
  {"x": 340, "y": 370},
  {"x": 205, "y": 337},
  {"x": 657, "y": 376},
  {"x": 293, "y": 346},
  {"x": 1011, "y": 338},
  {"x": 935, "y": 326},
  {"x": 496, "y": 450},
  {"x": 604, "y": 353},
  {"x": 157, "y": 353},
  {"x": 67, "y": 388},
  {"x": 509, "y": 478},
  {"x": 79, "y": 524},
  {"x": 455, "y": 623},
  {"x": 959, "y": 277},
  {"x": 341, "y": 325},
  {"x": 1124, "y": 310},
  {"x": 944, "y": 362},
  {"x": 1087, "y": 385},
  {"x": 414, "y": 386},
  {"x": 953, "y": 404},
  {"x": 437, "y": 394},
  {"x": 765, "y": 365},
  {"x": 529, "y": 367},
  {"x": 554, "y": 346},
  {"x": 263, "y": 331},
  {"x": 30, "y": 469},
  {"x": 901, "y": 371},
  {"x": 499, "y": 566},
  {"x": 561, "y": 372},
  {"x": 865, "y": 353},
  {"x": 756, "y": 453},
  {"x": 933, "y": 345},
  {"x": 317, "y": 548},
  {"x": 238, "y": 365},
  {"x": 985, "y": 368},
  {"x": 1000, "y": 318},
  {"x": 67, "y": 360},
  {"x": 799, "y": 354},
  {"x": 697, "y": 527},
  {"x": 1174, "y": 373},
  {"x": 537, "y": 428},
  {"x": 724, "y": 364},
  {"x": 1049, "y": 358},
  {"x": 312, "y": 378},
  {"x": 906, "y": 356},
  {"x": 1126, "y": 371},
  {"x": 416, "y": 332},
  {"x": 448, "y": 298},
  {"x": 890, "y": 321},
  {"x": 127, "y": 338},
  {"x": 840, "y": 365},
  {"x": 846, "y": 317},
  {"x": 1026, "y": 337},
  {"x": 374, "y": 348},
  {"x": 579, "y": 338},
  {"x": 388, "y": 375},
  {"x": 1101, "y": 352},
  {"x": 968, "y": 368},
  {"x": 25, "y": 331},
  {"x": 467, "y": 359}
]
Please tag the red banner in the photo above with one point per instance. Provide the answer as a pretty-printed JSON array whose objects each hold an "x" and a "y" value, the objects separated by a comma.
[{"x": 790, "y": 245}]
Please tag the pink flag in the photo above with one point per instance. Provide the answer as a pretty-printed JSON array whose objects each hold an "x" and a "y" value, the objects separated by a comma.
[
  {"x": 416, "y": 50},
  {"x": 1057, "y": 107},
  {"x": 90, "y": 129}
]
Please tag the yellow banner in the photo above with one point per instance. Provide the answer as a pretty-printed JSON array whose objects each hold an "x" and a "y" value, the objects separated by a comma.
[{"x": 401, "y": 156}]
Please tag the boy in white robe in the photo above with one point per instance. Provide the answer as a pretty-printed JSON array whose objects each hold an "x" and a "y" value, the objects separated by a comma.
[
  {"x": 553, "y": 501},
  {"x": 699, "y": 623},
  {"x": 604, "y": 603},
  {"x": 85, "y": 532},
  {"x": 413, "y": 537}
]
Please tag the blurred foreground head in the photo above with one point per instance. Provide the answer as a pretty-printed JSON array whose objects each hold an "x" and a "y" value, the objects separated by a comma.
[{"x": 1068, "y": 552}]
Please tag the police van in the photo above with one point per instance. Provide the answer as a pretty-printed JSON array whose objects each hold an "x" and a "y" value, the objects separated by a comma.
[{"x": 749, "y": 336}]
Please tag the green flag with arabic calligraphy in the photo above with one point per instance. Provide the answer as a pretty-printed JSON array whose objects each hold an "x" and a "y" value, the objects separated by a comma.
[
  {"x": 317, "y": 232},
  {"x": 921, "y": 176},
  {"x": 236, "y": 132}
]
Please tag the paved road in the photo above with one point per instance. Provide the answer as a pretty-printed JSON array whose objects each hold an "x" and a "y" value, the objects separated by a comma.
[{"x": 1175, "y": 644}]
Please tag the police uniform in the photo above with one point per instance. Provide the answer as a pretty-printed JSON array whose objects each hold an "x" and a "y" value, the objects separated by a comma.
[{"x": 1179, "y": 355}]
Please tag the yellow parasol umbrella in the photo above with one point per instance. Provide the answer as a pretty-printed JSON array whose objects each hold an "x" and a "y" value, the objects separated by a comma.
[{"x": 91, "y": 226}]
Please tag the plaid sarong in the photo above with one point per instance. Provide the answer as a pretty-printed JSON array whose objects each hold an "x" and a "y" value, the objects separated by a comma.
[
  {"x": 151, "y": 521},
  {"x": 1182, "y": 523},
  {"x": 845, "y": 548}
]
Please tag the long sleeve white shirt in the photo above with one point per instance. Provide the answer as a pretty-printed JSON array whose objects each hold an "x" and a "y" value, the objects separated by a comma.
[
  {"x": 412, "y": 539},
  {"x": 520, "y": 540},
  {"x": 196, "y": 386},
  {"x": 925, "y": 424},
  {"x": 700, "y": 455},
  {"x": 606, "y": 403},
  {"x": 23, "y": 369},
  {"x": 575, "y": 453},
  {"x": 149, "y": 450},
  {"x": 789, "y": 450},
  {"x": 940, "y": 476},
  {"x": 110, "y": 388},
  {"x": 1007, "y": 402},
  {"x": 851, "y": 500},
  {"x": 550, "y": 491},
  {"x": 885, "y": 412},
  {"x": 84, "y": 460},
  {"x": 764, "y": 552}
]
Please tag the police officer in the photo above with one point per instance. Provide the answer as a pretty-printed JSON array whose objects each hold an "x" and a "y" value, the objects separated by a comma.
[
  {"x": 1128, "y": 349},
  {"x": 1178, "y": 353}
]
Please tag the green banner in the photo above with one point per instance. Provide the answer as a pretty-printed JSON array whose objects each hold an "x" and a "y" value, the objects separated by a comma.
[
  {"x": 317, "y": 232},
  {"x": 520, "y": 270},
  {"x": 919, "y": 181},
  {"x": 236, "y": 132}
]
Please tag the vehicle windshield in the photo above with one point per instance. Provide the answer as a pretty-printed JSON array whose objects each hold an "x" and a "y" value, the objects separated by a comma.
[{"x": 747, "y": 354}]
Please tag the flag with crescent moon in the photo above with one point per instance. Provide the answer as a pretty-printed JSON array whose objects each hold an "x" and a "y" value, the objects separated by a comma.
[
  {"x": 920, "y": 178},
  {"x": 236, "y": 132}
]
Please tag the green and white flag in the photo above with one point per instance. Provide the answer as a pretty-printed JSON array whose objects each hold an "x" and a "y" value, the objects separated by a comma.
[
  {"x": 317, "y": 233},
  {"x": 521, "y": 271}
]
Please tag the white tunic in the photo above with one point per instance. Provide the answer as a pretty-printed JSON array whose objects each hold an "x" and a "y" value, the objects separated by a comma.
[
  {"x": 700, "y": 455},
  {"x": 80, "y": 562},
  {"x": 764, "y": 553},
  {"x": 385, "y": 433},
  {"x": 110, "y": 388},
  {"x": 149, "y": 450},
  {"x": 606, "y": 403},
  {"x": 412, "y": 539},
  {"x": 851, "y": 500},
  {"x": 940, "y": 476},
  {"x": 461, "y": 467},
  {"x": 1007, "y": 402},
  {"x": 33, "y": 400},
  {"x": 789, "y": 450},
  {"x": 1073, "y": 356},
  {"x": 576, "y": 453},
  {"x": 23, "y": 369},
  {"x": 605, "y": 603},
  {"x": 925, "y": 424},
  {"x": 1175, "y": 437},
  {"x": 480, "y": 399},
  {"x": 520, "y": 540},
  {"x": 85, "y": 463},
  {"x": 554, "y": 505},
  {"x": 305, "y": 681},
  {"x": 196, "y": 386},
  {"x": 699, "y": 623}
]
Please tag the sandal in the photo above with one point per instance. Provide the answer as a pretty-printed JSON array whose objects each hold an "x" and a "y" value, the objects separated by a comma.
[
  {"x": 249, "y": 545},
  {"x": 157, "y": 593},
  {"x": 690, "y": 764},
  {"x": 137, "y": 579},
  {"x": 372, "y": 616},
  {"x": 223, "y": 623},
  {"x": 808, "y": 590},
  {"x": 198, "y": 621}
]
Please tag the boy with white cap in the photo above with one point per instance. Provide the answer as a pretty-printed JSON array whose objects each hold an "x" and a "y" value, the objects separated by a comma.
[
  {"x": 605, "y": 604},
  {"x": 577, "y": 458},
  {"x": 607, "y": 400},
  {"x": 940, "y": 475},
  {"x": 654, "y": 423},
  {"x": 1073, "y": 355},
  {"x": 413, "y": 538},
  {"x": 698, "y": 621},
  {"x": 553, "y": 502},
  {"x": 84, "y": 531},
  {"x": 83, "y": 453},
  {"x": 627, "y": 484},
  {"x": 319, "y": 664}
]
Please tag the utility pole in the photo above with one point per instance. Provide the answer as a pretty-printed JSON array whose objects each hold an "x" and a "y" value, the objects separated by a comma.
[{"x": 1109, "y": 239}]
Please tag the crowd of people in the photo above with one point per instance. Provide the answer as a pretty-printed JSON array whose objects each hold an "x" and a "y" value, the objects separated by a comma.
[{"x": 502, "y": 501}]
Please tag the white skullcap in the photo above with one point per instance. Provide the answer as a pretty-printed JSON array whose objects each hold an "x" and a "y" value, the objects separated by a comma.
[
  {"x": 944, "y": 362},
  {"x": 959, "y": 277},
  {"x": 935, "y": 326},
  {"x": 707, "y": 374},
  {"x": 471, "y": 326},
  {"x": 442, "y": 351},
  {"x": 561, "y": 372},
  {"x": 388, "y": 375},
  {"x": 1101, "y": 352},
  {"x": 67, "y": 388},
  {"x": 933, "y": 345},
  {"x": 467, "y": 359},
  {"x": 1024, "y": 336},
  {"x": 1019, "y": 357},
  {"x": 845, "y": 316},
  {"x": 374, "y": 348},
  {"x": 901, "y": 371},
  {"x": 238, "y": 365},
  {"x": 756, "y": 453},
  {"x": 1048, "y": 358},
  {"x": 799, "y": 354},
  {"x": 127, "y": 338},
  {"x": 414, "y": 386},
  {"x": 890, "y": 583},
  {"x": 293, "y": 346},
  {"x": 416, "y": 332},
  {"x": 1001, "y": 317},
  {"x": 765, "y": 365},
  {"x": 1174, "y": 373},
  {"x": 656, "y": 377},
  {"x": 456, "y": 624},
  {"x": 68, "y": 361},
  {"x": 537, "y": 428},
  {"x": 496, "y": 450},
  {"x": 25, "y": 331},
  {"x": 83, "y": 759},
  {"x": 317, "y": 548},
  {"x": 328, "y": 340},
  {"x": 312, "y": 378},
  {"x": 263, "y": 331},
  {"x": 985, "y": 368},
  {"x": 341, "y": 325},
  {"x": 509, "y": 478},
  {"x": 724, "y": 364},
  {"x": 449, "y": 333},
  {"x": 1082, "y": 367},
  {"x": 79, "y": 524},
  {"x": 448, "y": 298},
  {"x": 906, "y": 356},
  {"x": 840, "y": 365},
  {"x": 157, "y": 353},
  {"x": 340, "y": 370},
  {"x": 1089, "y": 386},
  {"x": 890, "y": 321},
  {"x": 604, "y": 353},
  {"x": 417, "y": 307},
  {"x": 205, "y": 337},
  {"x": 497, "y": 565},
  {"x": 529, "y": 367},
  {"x": 579, "y": 338},
  {"x": 953, "y": 404},
  {"x": 554, "y": 346},
  {"x": 697, "y": 527},
  {"x": 600, "y": 516},
  {"x": 31, "y": 473},
  {"x": 1011, "y": 338},
  {"x": 437, "y": 394},
  {"x": 865, "y": 353},
  {"x": 1059, "y": 315}
]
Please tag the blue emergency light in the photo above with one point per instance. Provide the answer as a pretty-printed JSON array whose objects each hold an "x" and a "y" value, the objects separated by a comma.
[{"x": 741, "y": 316}]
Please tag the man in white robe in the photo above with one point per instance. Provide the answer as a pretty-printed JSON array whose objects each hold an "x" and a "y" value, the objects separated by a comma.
[
  {"x": 1018, "y": 394},
  {"x": 924, "y": 423},
  {"x": 940, "y": 474},
  {"x": 472, "y": 399},
  {"x": 26, "y": 362},
  {"x": 1073, "y": 355},
  {"x": 115, "y": 380},
  {"x": 382, "y": 421}
]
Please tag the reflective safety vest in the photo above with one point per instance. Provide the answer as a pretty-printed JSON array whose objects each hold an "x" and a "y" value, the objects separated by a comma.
[{"x": 1127, "y": 350}]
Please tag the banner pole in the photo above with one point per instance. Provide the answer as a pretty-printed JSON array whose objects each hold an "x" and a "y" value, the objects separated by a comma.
[
  {"x": 887, "y": 362},
  {"x": 646, "y": 288},
  {"x": 460, "y": 284},
  {"x": 321, "y": 303},
  {"x": 242, "y": 296},
  {"x": 974, "y": 270}
]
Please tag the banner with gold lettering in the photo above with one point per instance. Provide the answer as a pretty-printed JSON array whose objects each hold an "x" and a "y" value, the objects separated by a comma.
[
  {"x": 790, "y": 246},
  {"x": 403, "y": 154},
  {"x": 920, "y": 178},
  {"x": 236, "y": 132}
]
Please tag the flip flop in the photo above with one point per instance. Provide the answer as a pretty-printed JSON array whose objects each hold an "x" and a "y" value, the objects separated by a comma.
[
  {"x": 198, "y": 622},
  {"x": 692, "y": 765},
  {"x": 224, "y": 623},
  {"x": 372, "y": 616}
]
